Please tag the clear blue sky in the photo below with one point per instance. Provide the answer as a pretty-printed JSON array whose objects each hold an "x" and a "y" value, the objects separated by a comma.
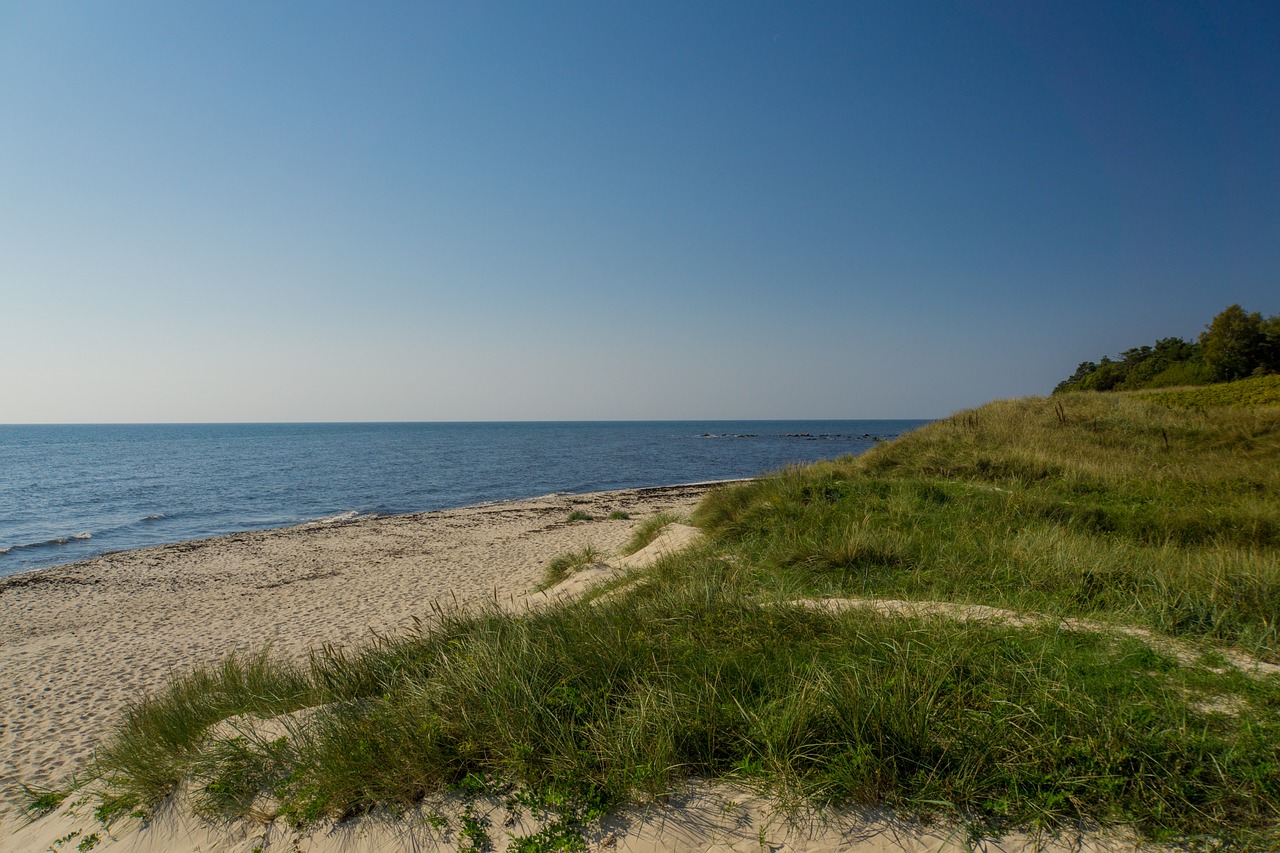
[{"x": 236, "y": 211}]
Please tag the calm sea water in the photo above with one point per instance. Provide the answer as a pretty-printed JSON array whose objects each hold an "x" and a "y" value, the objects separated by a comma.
[{"x": 70, "y": 492}]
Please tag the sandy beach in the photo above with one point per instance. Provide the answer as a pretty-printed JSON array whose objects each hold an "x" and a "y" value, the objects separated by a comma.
[{"x": 78, "y": 642}]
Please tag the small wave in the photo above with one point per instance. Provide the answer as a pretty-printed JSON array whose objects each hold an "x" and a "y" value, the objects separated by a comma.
[
  {"x": 47, "y": 543},
  {"x": 349, "y": 515},
  {"x": 61, "y": 540}
]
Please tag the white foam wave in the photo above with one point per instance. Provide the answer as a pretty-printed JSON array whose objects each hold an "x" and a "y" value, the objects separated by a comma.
[
  {"x": 60, "y": 540},
  {"x": 349, "y": 515}
]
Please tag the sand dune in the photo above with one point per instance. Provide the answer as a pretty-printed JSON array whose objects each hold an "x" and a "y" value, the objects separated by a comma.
[{"x": 78, "y": 642}]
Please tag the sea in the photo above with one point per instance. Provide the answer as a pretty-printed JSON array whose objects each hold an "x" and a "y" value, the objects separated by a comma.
[{"x": 76, "y": 491}]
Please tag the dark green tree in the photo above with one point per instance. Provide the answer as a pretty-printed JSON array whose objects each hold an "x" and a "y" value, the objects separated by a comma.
[
  {"x": 1270, "y": 362},
  {"x": 1232, "y": 344},
  {"x": 1108, "y": 375},
  {"x": 1076, "y": 380}
]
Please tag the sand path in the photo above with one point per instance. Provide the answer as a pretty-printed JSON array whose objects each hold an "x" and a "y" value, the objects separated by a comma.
[{"x": 1187, "y": 654}]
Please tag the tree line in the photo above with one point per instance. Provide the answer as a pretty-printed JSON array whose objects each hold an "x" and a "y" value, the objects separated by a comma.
[{"x": 1234, "y": 345}]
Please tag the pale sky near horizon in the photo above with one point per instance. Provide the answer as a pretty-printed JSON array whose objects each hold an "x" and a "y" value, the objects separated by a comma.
[{"x": 320, "y": 211}]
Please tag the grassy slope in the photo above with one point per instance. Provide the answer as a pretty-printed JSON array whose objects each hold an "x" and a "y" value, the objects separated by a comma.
[
  {"x": 1086, "y": 504},
  {"x": 1110, "y": 506},
  {"x": 1255, "y": 392}
]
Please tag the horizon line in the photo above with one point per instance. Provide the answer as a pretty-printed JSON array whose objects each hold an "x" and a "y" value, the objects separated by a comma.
[{"x": 457, "y": 421}]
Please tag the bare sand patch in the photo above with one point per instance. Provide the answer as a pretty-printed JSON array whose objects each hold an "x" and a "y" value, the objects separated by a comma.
[{"x": 715, "y": 818}]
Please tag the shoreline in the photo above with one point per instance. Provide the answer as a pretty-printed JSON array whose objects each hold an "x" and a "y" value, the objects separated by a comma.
[
  {"x": 80, "y": 640},
  {"x": 350, "y": 516}
]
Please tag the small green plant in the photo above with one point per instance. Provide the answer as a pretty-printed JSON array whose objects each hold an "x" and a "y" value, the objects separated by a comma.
[
  {"x": 619, "y": 515},
  {"x": 39, "y": 801},
  {"x": 475, "y": 785},
  {"x": 557, "y": 836},
  {"x": 475, "y": 832},
  {"x": 88, "y": 842},
  {"x": 112, "y": 806},
  {"x": 66, "y": 839},
  {"x": 579, "y": 515},
  {"x": 648, "y": 530},
  {"x": 749, "y": 766},
  {"x": 566, "y": 564},
  {"x": 77, "y": 803},
  {"x": 563, "y": 813}
]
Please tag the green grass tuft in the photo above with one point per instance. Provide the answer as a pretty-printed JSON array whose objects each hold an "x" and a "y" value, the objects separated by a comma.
[
  {"x": 38, "y": 801},
  {"x": 566, "y": 564},
  {"x": 648, "y": 530},
  {"x": 153, "y": 749}
]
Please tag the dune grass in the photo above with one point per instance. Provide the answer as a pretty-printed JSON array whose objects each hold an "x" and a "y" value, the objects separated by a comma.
[
  {"x": 151, "y": 750},
  {"x": 1255, "y": 392},
  {"x": 1094, "y": 505},
  {"x": 1113, "y": 507},
  {"x": 618, "y": 701},
  {"x": 36, "y": 801},
  {"x": 648, "y": 530},
  {"x": 563, "y": 565}
]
